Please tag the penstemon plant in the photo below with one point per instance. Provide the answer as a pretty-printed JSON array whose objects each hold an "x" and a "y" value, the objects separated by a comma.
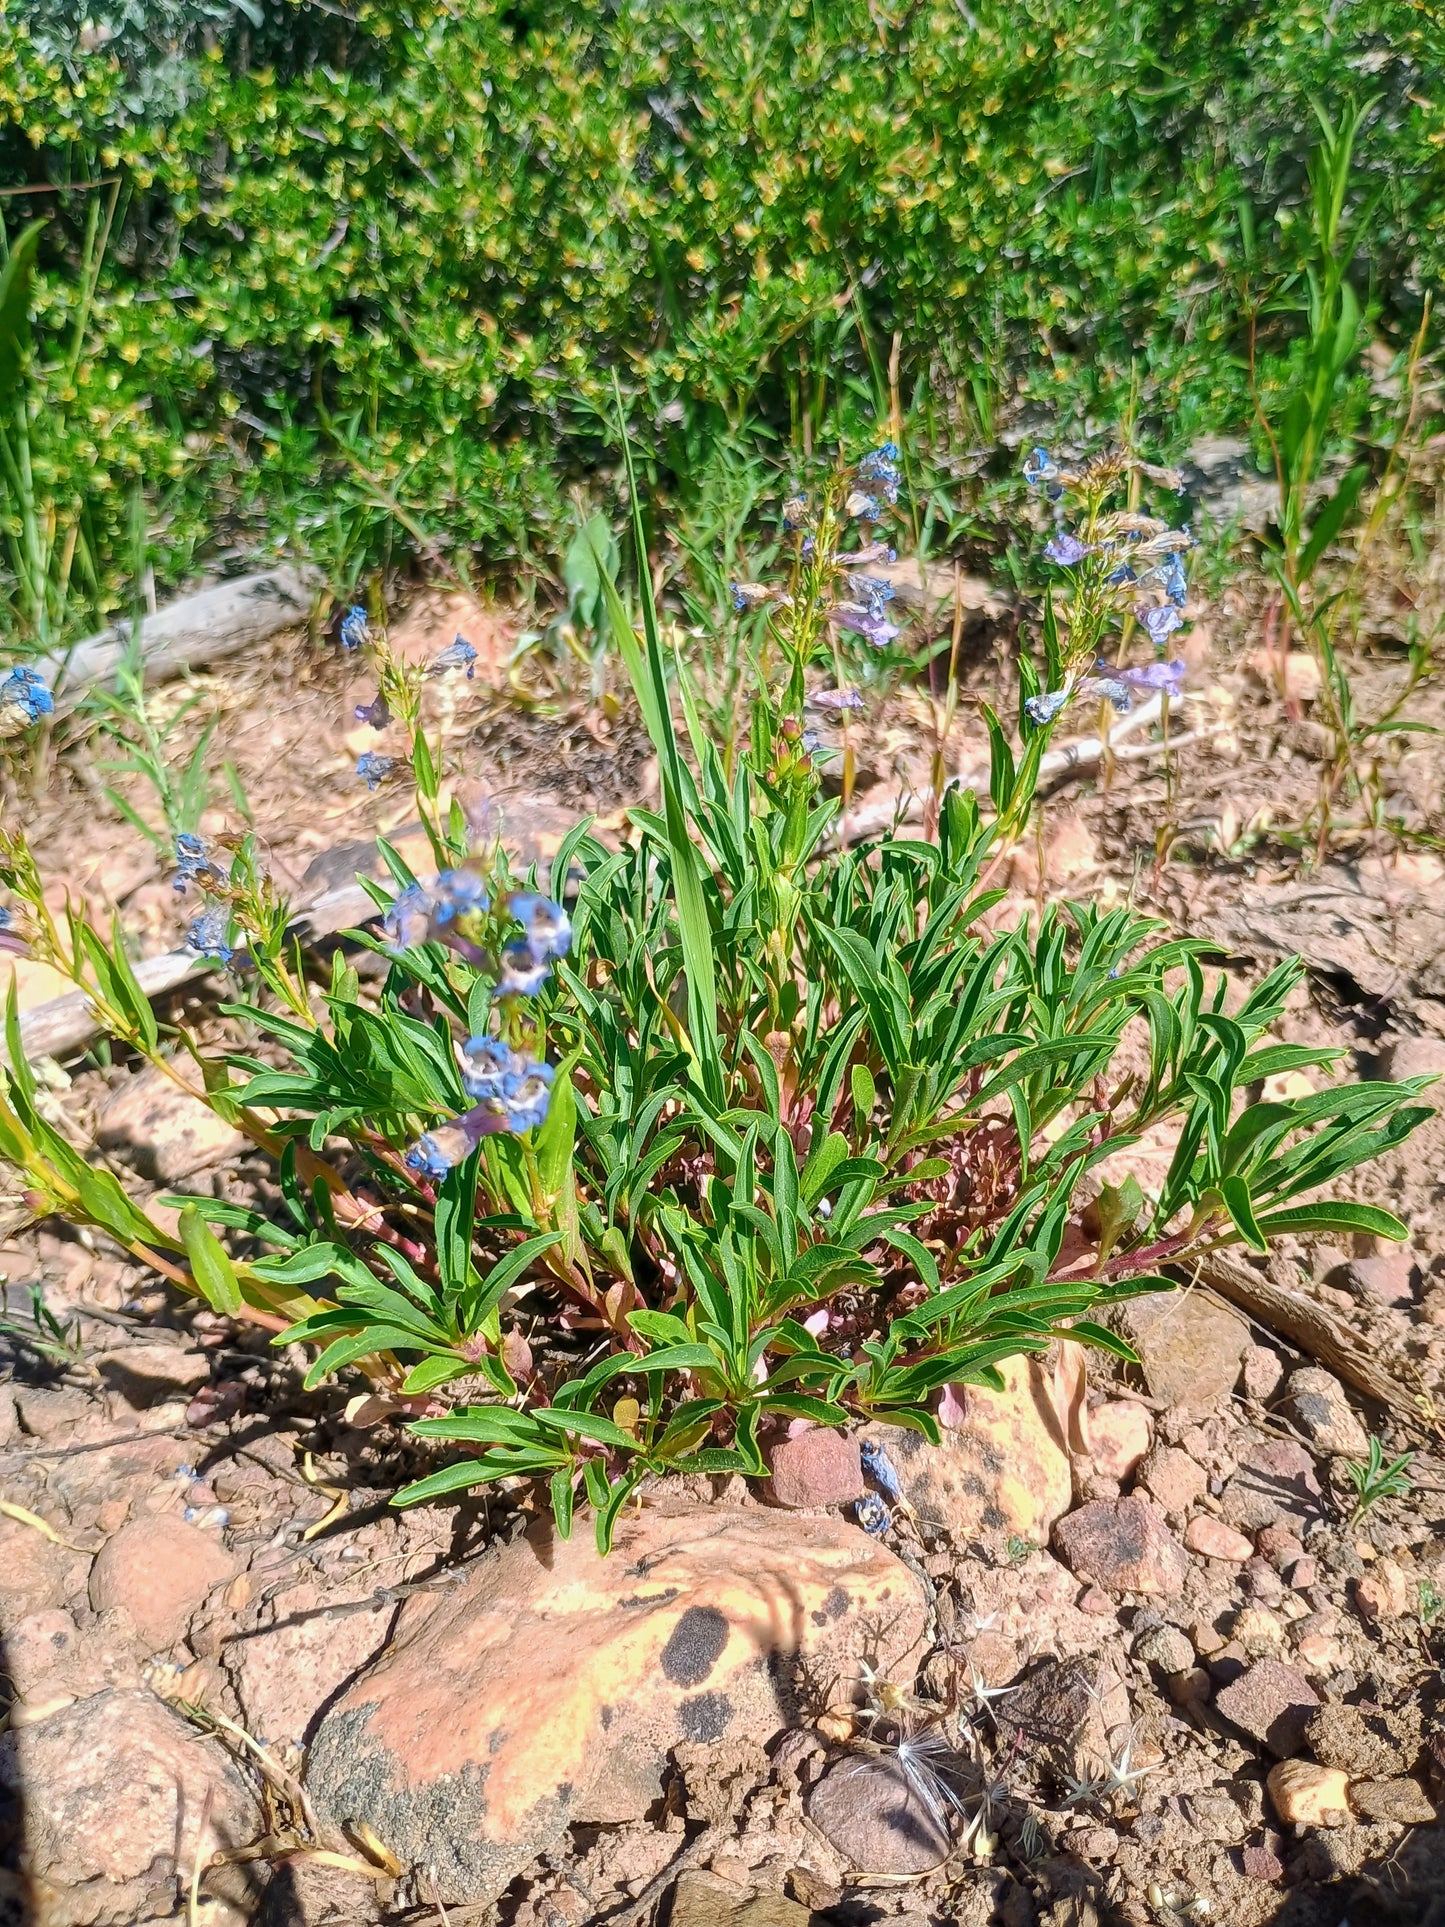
[{"x": 740, "y": 1125}]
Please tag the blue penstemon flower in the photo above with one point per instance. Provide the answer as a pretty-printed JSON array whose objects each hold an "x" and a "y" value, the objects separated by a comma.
[
  {"x": 373, "y": 768},
  {"x": 354, "y": 630},
  {"x": 457, "y": 655},
  {"x": 208, "y": 936},
  {"x": 24, "y": 699}
]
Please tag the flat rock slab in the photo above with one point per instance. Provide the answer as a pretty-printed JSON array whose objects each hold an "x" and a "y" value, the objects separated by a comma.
[
  {"x": 548, "y": 1690},
  {"x": 1271, "y": 1702},
  {"x": 869, "y": 1811},
  {"x": 1123, "y": 1545},
  {"x": 1002, "y": 1468},
  {"x": 1190, "y": 1346}
]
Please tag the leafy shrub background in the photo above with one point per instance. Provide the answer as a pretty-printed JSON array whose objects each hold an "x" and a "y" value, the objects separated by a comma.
[{"x": 390, "y": 260}]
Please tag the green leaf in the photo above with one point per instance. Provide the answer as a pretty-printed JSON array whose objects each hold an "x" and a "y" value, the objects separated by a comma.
[
  {"x": 561, "y": 1493},
  {"x": 1335, "y": 1216},
  {"x": 1240, "y": 1207},
  {"x": 15, "y": 281},
  {"x": 211, "y": 1266}
]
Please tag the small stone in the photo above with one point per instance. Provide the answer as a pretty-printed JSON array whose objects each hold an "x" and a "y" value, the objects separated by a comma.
[
  {"x": 1190, "y": 1689},
  {"x": 1213, "y": 1539},
  {"x": 1357, "y": 1743},
  {"x": 38, "y": 1646},
  {"x": 1256, "y": 1629},
  {"x": 871, "y": 1814},
  {"x": 1122, "y": 1545},
  {"x": 1096, "y": 1846},
  {"x": 1385, "y": 1280},
  {"x": 1119, "y": 1434},
  {"x": 1173, "y": 1478},
  {"x": 34, "y": 1572},
  {"x": 1093, "y": 1600},
  {"x": 158, "y": 1570},
  {"x": 1304, "y": 1573},
  {"x": 1261, "y": 1864},
  {"x": 820, "y": 1467},
  {"x": 1272, "y": 1703},
  {"x": 1417, "y": 1057},
  {"x": 1321, "y": 1653},
  {"x": 1204, "y": 1635},
  {"x": 1260, "y": 1581},
  {"x": 1400, "y": 1803},
  {"x": 1275, "y": 1484},
  {"x": 1383, "y": 1593},
  {"x": 708, "y": 1900},
  {"x": 1190, "y": 1347},
  {"x": 122, "y": 1799},
  {"x": 1316, "y": 1401},
  {"x": 1279, "y": 1545},
  {"x": 160, "y": 1131},
  {"x": 1166, "y": 1648},
  {"x": 1263, "y": 1372},
  {"x": 1306, "y": 1795}
]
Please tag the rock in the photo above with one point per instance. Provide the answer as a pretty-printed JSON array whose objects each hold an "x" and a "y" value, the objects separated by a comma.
[
  {"x": 1316, "y": 1401},
  {"x": 1280, "y": 1546},
  {"x": 820, "y": 1467},
  {"x": 1263, "y": 1373},
  {"x": 547, "y": 1690},
  {"x": 1383, "y": 1593},
  {"x": 1302, "y": 680},
  {"x": 1356, "y": 1742},
  {"x": 1190, "y": 1347},
  {"x": 1173, "y": 1478},
  {"x": 1260, "y": 1864},
  {"x": 1321, "y": 1653},
  {"x": 1385, "y": 1280},
  {"x": 1401, "y": 1803},
  {"x": 1119, "y": 1435},
  {"x": 114, "y": 1789},
  {"x": 1272, "y": 1703},
  {"x": 1418, "y": 1057},
  {"x": 35, "y": 1574},
  {"x": 707, "y": 1900},
  {"x": 1002, "y": 1470},
  {"x": 1276, "y": 1484},
  {"x": 52, "y": 1413},
  {"x": 1257, "y": 1630},
  {"x": 158, "y": 1570},
  {"x": 286, "y": 1672},
  {"x": 1306, "y": 1795},
  {"x": 1190, "y": 1689},
  {"x": 1122, "y": 1545},
  {"x": 144, "y": 1375},
  {"x": 160, "y": 1131},
  {"x": 871, "y": 1813},
  {"x": 1166, "y": 1648},
  {"x": 1060, "y": 1711},
  {"x": 39, "y": 1646},
  {"x": 1303, "y": 1573},
  {"x": 1213, "y": 1539}
]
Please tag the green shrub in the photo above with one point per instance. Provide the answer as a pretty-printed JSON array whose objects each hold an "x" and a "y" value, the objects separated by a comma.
[{"x": 392, "y": 260}]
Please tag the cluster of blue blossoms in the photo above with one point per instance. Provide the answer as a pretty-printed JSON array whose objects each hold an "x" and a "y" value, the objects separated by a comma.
[
  {"x": 196, "y": 863},
  {"x": 373, "y": 766},
  {"x": 24, "y": 699},
  {"x": 512, "y": 1088},
  {"x": 1139, "y": 558}
]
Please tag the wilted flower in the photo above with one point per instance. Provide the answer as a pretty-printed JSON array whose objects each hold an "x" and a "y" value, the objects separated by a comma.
[
  {"x": 1159, "y": 622},
  {"x": 1176, "y": 584},
  {"x": 1110, "y": 686},
  {"x": 872, "y": 1514},
  {"x": 520, "y": 974},
  {"x": 433, "y": 1155},
  {"x": 376, "y": 713},
  {"x": 207, "y": 936},
  {"x": 1042, "y": 471},
  {"x": 549, "y": 933},
  {"x": 795, "y": 511},
  {"x": 193, "y": 863},
  {"x": 752, "y": 595},
  {"x": 835, "y": 699},
  {"x": 1167, "y": 677},
  {"x": 373, "y": 768},
  {"x": 1043, "y": 708},
  {"x": 862, "y": 507},
  {"x": 486, "y": 1063},
  {"x": 1117, "y": 578},
  {"x": 1066, "y": 550},
  {"x": 408, "y": 919},
  {"x": 864, "y": 623},
  {"x": 457, "y": 655},
  {"x": 354, "y": 630},
  {"x": 873, "y": 591},
  {"x": 24, "y": 699},
  {"x": 880, "y": 468},
  {"x": 879, "y": 1468},
  {"x": 10, "y": 939}
]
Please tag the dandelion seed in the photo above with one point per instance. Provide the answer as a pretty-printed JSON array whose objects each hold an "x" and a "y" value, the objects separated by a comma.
[
  {"x": 354, "y": 628},
  {"x": 1066, "y": 550},
  {"x": 376, "y": 713},
  {"x": 457, "y": 655},
  {"x": 872, "y": 1514},
  {"x": 549, "y": 932},
  {"x": 1043, "y": 708},
  {"x": 373, "y": 768},
  {"x": 207, "y": 936}
]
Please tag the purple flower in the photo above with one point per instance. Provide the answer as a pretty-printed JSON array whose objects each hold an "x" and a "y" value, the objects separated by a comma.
[
  {"x": 1042, "y": 471},
  {"x": 1176, "y": 585},
  {"x": 10, "y": 939},
  {"x": 457, "y": 655},
  {"x": 1043, "y": 708},
  {"x": 549, "y": 932},
  {"x": 373, "y": 769},
  {"x": 1109, "y": 685},
  {"x": 354, "y": 630},
  {"x": 376, "y": 713},
  {"x": 408, "y": 919},
  {"x": 526, "y": 1095},
  {"x": 1117, "y": 578},
  {"x": 1159, "y": 622},
  {"x": 487, "y": 1063},
  {"x": 458, "y": 893},
  {"x": 521, "y": 975},
  {"x": 1066, "y": 550},
  {"x": 874, "y": 592},
  {"x": 864, "y": 623},
  {"x": 433, "y": 1155},
  {"x": 1167, "y": 677},
  {"x": 207, "y": 936},
  {"x": 836, "y": 699},
  {"x": 872, "y": 1515}
]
